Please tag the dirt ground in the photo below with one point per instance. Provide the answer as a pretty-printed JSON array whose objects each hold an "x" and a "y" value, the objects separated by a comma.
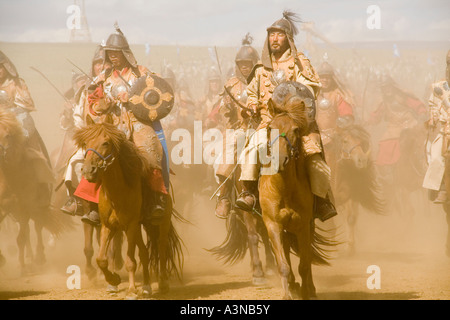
[{"x": 410, "y": 254}]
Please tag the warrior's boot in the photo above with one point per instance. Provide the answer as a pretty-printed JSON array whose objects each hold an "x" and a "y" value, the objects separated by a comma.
[
  {"x": 324, "y": 208},
  {"x": 247, "y": 199},
  {"x": 92, "y": 217},
  {"x": 441, "y": 197},
  {"x": 157, "y": 208},
  {"x": 73, "y": 206},
  {"x": 223, "y": 205}
]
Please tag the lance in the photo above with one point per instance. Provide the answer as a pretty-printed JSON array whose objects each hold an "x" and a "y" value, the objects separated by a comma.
[{"x": 54, "y": 87}]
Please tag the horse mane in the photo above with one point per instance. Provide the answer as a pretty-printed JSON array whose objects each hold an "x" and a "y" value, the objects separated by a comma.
[
  {"x": 130, "y": 157},
  {"x": 9, "y": 121},
  {"x": 295, "y": 109}
]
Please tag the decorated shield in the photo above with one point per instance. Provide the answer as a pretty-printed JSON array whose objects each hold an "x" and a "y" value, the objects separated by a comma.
[{"x": 151, "y": 98}]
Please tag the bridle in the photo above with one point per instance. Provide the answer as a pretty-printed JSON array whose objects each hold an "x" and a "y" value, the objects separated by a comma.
[
  {"x": 293, "y": 150},
  {"x": 347, "y": 153},
  {"x": 104, "y": 158}
]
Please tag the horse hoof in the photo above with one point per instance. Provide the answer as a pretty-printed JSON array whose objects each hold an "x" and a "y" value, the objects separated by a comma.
[
  {"x": 131, "y": 296},
  {"x": 259, "y": 281},
  {"x": 114, "y": 279},
  {"x": 146, "y": 291},
  {"x": 112, "y": 289}
]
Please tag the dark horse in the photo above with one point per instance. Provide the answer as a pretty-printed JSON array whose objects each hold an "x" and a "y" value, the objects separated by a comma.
[
  {"x": 23, "y": 193},
  {"x": 356, "y": 182},
  {"x": 244, "y": 232},
  {"x": 287, "y": 204},
  {"x": 122, "y": 169}
]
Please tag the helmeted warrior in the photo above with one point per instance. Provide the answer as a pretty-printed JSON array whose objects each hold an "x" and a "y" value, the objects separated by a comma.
[
  {"x": 280, "y": 62},
  {"x": 111, "y": 97},
  {"x": 234, "y": 98},
  {"x": 334, "y": 109},
  {"x": 72, "y": 176},
  {"x": 400, "y": 110},
  {"x": 15, "y": 97},
  {"x": 438, "y": 131},
  {"x": 211, "y": 101}
]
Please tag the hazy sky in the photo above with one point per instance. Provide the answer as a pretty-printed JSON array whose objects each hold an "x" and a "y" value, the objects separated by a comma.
[{"x": 223, "y": 22}]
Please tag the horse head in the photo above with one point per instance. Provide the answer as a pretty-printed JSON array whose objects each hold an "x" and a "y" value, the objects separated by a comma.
[
  {"x": 355, "y": 146},
  {"x": 100, "y": 147},
  {"x": 290, "y": 129}
]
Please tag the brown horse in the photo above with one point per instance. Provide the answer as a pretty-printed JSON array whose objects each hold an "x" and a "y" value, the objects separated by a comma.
[
  {"x": 60, "y": 157},
  {"x": 287, "y": 205},
  {"x": 356, "y": 183},
  {"x": 121, "y": 168},
  {"x": 446, "y": 205},
  {"x": 23, "y": 192},
  {"x": 244, "y": 232}
]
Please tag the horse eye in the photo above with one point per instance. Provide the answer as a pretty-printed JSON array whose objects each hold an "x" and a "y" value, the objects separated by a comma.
[{"x": 106, "y": 144}]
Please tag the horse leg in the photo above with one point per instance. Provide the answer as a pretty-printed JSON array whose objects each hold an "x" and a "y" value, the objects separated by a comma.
[
  {"x": 144, "y": 258},
  {"x": 275, "y": 230},
  {"x": 351, "y": 221},
  {"x": 40, "y": 256},
  {"x": 22, "y": 238},
  {"x": 89, "y": 249},
  {"x": 106, "y": 236},
  {"x": 270, "y": 259},
  {"x": 447, "y": 211},
  {"x": 130, "y": 261},
  {"x": 304, "y": 269},
  {"x": 253, "y": 239}
]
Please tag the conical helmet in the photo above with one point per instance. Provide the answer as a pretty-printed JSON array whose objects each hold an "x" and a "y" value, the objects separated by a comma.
[{"x": 118, "y": 42}]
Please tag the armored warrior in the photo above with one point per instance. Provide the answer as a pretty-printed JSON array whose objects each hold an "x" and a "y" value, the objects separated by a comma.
[
  {"x": 280, "y": 62},
  {"x": 438, "y": 131},
  {"x": 400, "y": 110},
  {"x": 75, "y": 119},
  {"x": 234, "y": 98},
  {"x": 113, "y": 97},
  {"x": 334, "y": 109},
  {"x": 15, "y": 97}
]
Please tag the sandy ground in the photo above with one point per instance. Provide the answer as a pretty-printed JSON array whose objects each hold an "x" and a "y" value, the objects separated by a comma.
[{"x": 410, "y": 254}]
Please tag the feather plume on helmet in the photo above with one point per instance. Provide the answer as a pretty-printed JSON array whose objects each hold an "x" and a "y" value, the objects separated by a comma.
[{"x": 288, "y": 25}]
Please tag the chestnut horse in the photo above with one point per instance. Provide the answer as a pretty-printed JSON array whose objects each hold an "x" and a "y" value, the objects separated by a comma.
[
  {"x": 446, "y": 205},
  {"x": 244, "y": 232},
  {"x": 287, "y": 205},
  {"x": 356, "y": 182},
  {"x": 121, "y": 169},
  {"x": 23, "y": 194}
]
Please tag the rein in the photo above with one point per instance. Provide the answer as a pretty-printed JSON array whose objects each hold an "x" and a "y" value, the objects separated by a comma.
[
  {"x": 105, "y": 163},
  {"x": 292, "y": 150},
  {"x": 346, "y": 153}
]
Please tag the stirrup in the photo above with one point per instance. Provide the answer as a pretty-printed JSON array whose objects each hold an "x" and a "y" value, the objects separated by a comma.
[{"x": 242, "y": 204}]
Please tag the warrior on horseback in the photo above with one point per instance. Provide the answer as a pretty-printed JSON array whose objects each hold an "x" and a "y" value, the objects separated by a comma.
[
  {"x": 282, "y": 62},
  {"x": 437, "y": 141},
  {"x": 236, "y": 119},
  {"x": 112, "y": 97},
  {"x": 15, "y": 97}
]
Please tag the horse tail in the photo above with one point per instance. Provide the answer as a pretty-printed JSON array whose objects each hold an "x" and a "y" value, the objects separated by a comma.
[
  {"x": 54, "y": 221},
  {"x": 321, "y": 241},
  {"x": 235, "y": 245},
  {"x": 174, "y": 248}
]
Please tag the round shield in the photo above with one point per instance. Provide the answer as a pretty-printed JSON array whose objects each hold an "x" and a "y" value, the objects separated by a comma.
[{"x": 151, "y": 98}]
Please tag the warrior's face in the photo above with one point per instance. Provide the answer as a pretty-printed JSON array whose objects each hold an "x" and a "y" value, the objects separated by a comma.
[
  {"x": 97, "y": 68},
  {"x": 278, "y": 42},
  {"x": 117, "y": 59},
  {"x": 326, "y": 82},
  {"x": 245, "y": 67}
]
